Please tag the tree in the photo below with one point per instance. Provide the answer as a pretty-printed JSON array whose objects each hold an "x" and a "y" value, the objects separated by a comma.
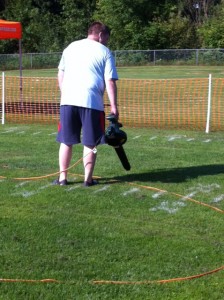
[
  {"x": 3, "y": 4},
  {"x": 118, "y": 16},
  {"x": 197, "y": 11},
  {"x": 50, "y": 25},
  {"x": 39, "y": 25},
  {"x": 175, "y": 33},
  {"x": 211, "y": 32},
  {"x": 147, "y": 24},
  {"x": 76, "y": 17}
]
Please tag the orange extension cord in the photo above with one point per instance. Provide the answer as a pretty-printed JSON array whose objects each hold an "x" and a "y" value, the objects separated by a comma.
[
  {"x": 121, "y": 282},
  {"x": 158, "y": 281}
]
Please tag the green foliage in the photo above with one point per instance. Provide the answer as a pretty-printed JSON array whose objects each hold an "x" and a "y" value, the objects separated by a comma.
[
  {"x": 49, "y": 26},
  {"x": 75, "y": 19},
  {"x": 212, "y": 30},
  {"x": 176, "y": 32},
  {"x": 39, "y": 34},
  {"x": 122, "y": 23},
  {"x": 129, "y": 22}
]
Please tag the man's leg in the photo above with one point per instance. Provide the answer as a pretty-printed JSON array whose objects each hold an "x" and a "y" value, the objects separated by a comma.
[
  {"x": 89, "y": 159},
  {"x": 65, "y": 155}
]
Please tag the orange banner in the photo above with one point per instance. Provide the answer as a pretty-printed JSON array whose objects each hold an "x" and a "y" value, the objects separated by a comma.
[{"x": 10, "y": 30}]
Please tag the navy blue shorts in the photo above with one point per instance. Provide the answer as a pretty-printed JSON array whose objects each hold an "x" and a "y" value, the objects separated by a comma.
[{"x": 75, "y": 120}]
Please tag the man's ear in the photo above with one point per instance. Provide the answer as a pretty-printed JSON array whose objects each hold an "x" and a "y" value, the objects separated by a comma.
[{"x": 100, "y": 36}]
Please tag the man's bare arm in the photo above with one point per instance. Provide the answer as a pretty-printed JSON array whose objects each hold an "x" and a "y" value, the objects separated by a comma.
[
  {"x": 60, "y": 78},
  {"x": 111, "y": 87}
]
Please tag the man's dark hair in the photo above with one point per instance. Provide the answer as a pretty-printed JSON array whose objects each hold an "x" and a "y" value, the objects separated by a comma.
[{"x": 97, "y": 27}]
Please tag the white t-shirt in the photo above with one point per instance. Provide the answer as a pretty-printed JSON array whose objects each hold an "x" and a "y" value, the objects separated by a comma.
[{"x": 87, "y": 64}]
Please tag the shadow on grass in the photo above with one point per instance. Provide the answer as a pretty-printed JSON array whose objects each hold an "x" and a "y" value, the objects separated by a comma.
[{"x": 175, "y": 175}]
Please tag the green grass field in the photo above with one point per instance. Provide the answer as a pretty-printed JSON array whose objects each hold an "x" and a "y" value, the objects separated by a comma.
[
  {"x": 138, "y": 227},
  {"x": 145, "y": 72},
  {"x": 160, "y": 221}
]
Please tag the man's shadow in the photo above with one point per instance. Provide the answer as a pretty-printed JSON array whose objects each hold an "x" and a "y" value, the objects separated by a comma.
[{"x": 175, "y": 175}]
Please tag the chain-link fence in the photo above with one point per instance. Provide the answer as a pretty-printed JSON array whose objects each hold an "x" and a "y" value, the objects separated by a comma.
[
  {"x": 29, "y": 61},
  {"x": 123, "y": 58},
  {"x": 170, "y": 57}
]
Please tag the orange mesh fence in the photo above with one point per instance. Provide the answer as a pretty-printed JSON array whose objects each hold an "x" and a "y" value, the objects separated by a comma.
[
  {"x": 170, "y": 103},
  {"x": 176, "y": 103},
  {"x": 217, "y": 109},
  {"x": 31, "y": 99}
]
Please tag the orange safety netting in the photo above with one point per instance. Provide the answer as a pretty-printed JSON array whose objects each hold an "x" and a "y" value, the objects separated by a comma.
[
  {"x": 169, "y": 103},
  {"x": 37, "y": 101}
]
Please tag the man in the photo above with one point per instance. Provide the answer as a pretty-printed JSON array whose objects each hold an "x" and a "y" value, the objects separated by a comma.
[{"x": 86, "y": 68}]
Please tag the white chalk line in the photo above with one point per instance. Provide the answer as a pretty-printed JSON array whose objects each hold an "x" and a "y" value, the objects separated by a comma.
[
  {"x": 171, "y": 208},
  {"x": 218, "y": 199},
  {"x": 175, "y": 206},
  {"x": 131, "y": 191},
  {"x": 27, "y": 194},
  {"x": 104, "y": 188}
]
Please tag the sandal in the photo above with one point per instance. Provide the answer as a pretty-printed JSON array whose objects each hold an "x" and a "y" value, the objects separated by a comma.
[
  {"x": 57, "y": 182},
  {"x": 87, "y": 184}
]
